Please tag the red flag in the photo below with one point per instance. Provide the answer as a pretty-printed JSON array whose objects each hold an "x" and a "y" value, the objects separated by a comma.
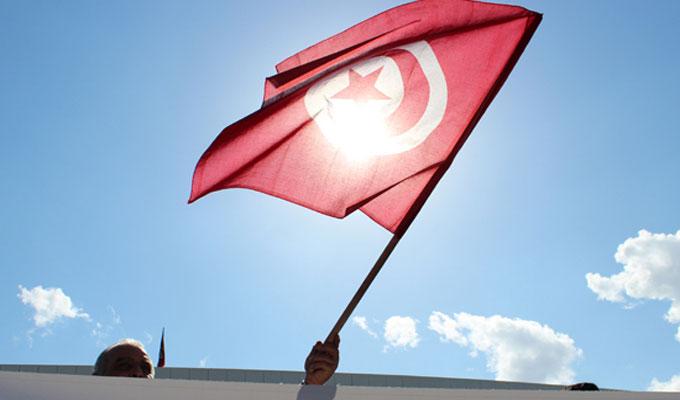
[
  {"x": 371, "y": 118},
  {"x": 161, "y": 351}
]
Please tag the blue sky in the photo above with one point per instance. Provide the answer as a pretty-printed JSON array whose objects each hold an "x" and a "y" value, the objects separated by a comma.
[{"x": 106, "y": 108}]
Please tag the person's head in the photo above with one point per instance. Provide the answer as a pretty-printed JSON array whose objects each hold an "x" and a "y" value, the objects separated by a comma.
[{"x": 126, "y": 358}]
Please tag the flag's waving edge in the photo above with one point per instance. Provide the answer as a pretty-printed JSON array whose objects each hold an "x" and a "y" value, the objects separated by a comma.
[
  {"x": 442, "y": 15},
  {"x": 425, "y": 18},
  {"x": 427, "y": 69}
]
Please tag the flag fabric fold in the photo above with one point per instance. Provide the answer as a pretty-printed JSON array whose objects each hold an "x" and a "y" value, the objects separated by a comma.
[{"x": 371, "y": 118}]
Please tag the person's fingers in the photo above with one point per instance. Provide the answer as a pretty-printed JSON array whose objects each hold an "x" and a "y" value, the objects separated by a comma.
[
  {"x": 328, "y": 346},
  {"x": 321, "y": 366},
  {"x": 324, "y": 356},
  {"x": 335, "y": 341},
  {"x": 321, "y": 374},
  {"x": 326, "y": 349},
  {"x": 316, "y": 346},
  {"x": 324, "y": 361}
]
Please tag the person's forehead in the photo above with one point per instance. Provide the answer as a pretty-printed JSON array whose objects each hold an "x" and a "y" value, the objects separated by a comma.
[{"x": 127, "y": 350}]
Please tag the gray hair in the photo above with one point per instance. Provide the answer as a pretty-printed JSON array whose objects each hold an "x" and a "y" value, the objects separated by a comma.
[{"x": 100, "y": 365}]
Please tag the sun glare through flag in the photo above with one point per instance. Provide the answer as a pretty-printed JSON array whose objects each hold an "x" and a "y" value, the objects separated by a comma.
[{"x": 371, "y": 118}]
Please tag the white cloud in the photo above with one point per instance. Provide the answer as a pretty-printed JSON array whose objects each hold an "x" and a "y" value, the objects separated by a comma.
[
  {"x": 115, "y": 317},
  {"x": 203, "y": 362},
  {"x": 50, "y": 305},
  {"x": 148, "y": 338},
  {"x": 672, "y": 385},
  {"x": 447, "y": 328},
  {"x": 651, "y": 271},
  {"x": 606, "y": 288},
  {"x": 99, "y": 330},
  {"x": 401, "y": 332},
  {"x": 363, "y": 325},
  {"x": 102, "y": 331},
  {"x": 516, "y": 349}
]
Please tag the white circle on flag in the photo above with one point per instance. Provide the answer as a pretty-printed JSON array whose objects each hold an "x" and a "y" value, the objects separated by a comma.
[{"x": 359, "y": 126}]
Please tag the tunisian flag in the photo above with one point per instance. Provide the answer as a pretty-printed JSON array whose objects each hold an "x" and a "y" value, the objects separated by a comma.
[{"x": 372, "y": 117}]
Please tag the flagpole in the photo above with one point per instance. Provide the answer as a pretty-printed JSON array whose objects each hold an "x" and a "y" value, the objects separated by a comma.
[
  {"x": 438, "y": 174},
  {"x": 387, "y": 251},
  {"x": 398, "y": 234},
  {"x": 365, "y": 285}
]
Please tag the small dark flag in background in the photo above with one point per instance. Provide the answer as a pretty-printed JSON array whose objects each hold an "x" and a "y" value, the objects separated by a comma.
[{"x": 161, "y": 352}]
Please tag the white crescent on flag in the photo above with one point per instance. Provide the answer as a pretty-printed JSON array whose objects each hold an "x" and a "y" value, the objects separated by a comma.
[{"x": 353, "y": 107}]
